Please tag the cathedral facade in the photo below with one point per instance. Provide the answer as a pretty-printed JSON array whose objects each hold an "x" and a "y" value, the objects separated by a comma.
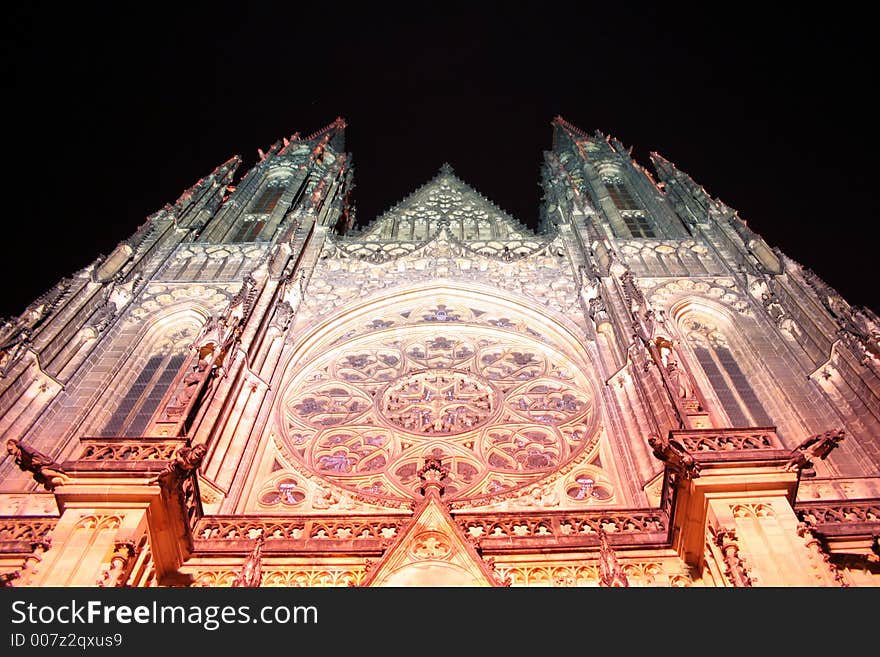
[{"x": 253, "y": 391}]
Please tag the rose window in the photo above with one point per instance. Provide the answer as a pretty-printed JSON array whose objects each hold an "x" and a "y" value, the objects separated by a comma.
[
  {"x": 500, "y": 411},
  {"x": 438, "y": 402}
]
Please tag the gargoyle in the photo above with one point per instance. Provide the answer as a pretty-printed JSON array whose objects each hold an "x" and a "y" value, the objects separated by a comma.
[
  {"x": 186, "y": 461},
  {"x": 818, "y": 446},
  {"x": 675, "y": 456},
  {"x": 46, "y": 472}
]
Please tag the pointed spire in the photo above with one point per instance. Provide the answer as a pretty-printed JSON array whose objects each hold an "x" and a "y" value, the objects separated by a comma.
[
  {"x": 251, "y": 573},
  {"x": 416, "y": 196},
  {"x": 664, "y": 168},
  {"x": 337, "y": 125},
  {"x": 610, "y": 572},
  {"x": 558, "y": 121},
  {"x": 669, "y": 173},
  {"x": 221, "y": 175}
]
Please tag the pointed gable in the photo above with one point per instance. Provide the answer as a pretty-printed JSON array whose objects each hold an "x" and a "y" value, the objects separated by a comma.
[
  {"x": 432, "y": 550},
  {"x": 448, "y": 201}
]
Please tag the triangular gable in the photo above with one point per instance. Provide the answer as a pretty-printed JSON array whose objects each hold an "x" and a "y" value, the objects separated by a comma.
[
  {"x": 445, "y": 200},
  {"x": 431, "y": 551}
]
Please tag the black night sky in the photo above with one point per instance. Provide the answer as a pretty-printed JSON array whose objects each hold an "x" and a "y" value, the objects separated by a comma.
[{"x": 112, "y": 110}]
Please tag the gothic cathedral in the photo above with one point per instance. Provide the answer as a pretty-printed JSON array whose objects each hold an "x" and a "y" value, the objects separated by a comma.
[{"x": 254, "y": 390}]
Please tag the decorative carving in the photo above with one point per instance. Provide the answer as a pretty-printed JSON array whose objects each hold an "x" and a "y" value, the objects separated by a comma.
[
  {"x": 822, "y": 515},
  {"x": 432, "y": 475},
  {"x": 251, "y": 573},
  {"x": 109, "y": 449},
  {"x": 819, "y": 554},
  {"x": 25, "y": 530},
  {"x": 501, "y": 412},
  {"x": 282, "y": 577},
  {"x": 567, "y": 574},
  {"x": 7, "y": 578},
  {"x": 13, "y": 350},
  {"x": 725, "y": 440},
  {"x": 859, "y": 327},
  {"x": 735, "y": 568},
  {"x": 121, "y": 564},
  {"x": 438, "y": 402},
  {"x": 32, "y": 562},
  {"x": 185, "y": 463},
  {"x": 45, "y": 471},
  {"x": 559, "y": 525},
  {"x": 721, "y": 290},
  {"x": 818, "y": 446},
  {"x": 675, "y": 456},
  {"x": 610, "y": 572},
  {"x": 366, "y": 530}
]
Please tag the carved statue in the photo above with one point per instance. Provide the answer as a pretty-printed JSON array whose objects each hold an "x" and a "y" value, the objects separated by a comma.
[
  {"x": 186, "y": 461},
  {"x": 192, "y": 380},
  {"x": 46, "y": 472},
  {"x": 12, "y": 351},
  {"x": 679, "y": 381},
  {"x": 675, "y": 456},
  {"x": 818, "y": 446}
]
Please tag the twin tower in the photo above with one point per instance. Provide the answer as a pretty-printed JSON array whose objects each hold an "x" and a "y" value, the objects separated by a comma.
[{"x": 253, "y": 391}]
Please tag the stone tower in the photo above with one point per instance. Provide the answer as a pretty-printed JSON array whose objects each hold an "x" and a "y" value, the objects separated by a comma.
[{"x": 251, "y": 390}]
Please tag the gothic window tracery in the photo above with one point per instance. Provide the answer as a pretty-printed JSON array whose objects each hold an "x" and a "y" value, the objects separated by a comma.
[
  {"x": 253, "y": 222},
  {"x": 501, "y": 411},
  {"x": 722, "y": 369},
  {"x": 620, "y": 194},
  {"x": 637, "y": 224},
  {"x": 143, "y": 395}
]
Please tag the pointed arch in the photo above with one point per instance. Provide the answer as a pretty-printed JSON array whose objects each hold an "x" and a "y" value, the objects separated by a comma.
[
  {"x": 142, "y": 380},
  {"x": 729, "y": 368}
]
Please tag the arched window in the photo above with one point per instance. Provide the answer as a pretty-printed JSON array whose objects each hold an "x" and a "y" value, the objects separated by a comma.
[
  {"x": 620, "y": 194},
  {"x": 268, "y": 199},
  {"x": 715, "y": 356},
  {"x": 141, "y": 400},
  {"x": 255, "y": 219},
  {"x": 631, "y": 212}
]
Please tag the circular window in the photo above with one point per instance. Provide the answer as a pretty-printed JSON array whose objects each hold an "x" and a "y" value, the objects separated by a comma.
[{"x": 499, "y": 411}]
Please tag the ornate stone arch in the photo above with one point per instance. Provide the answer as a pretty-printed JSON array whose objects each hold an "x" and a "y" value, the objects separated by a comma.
[
  {"x": 162, "y": 348},
  {"x": 728, "y": 368},
  {"x": 366, "y": 314},
  {"x": 504, "y": 392}
]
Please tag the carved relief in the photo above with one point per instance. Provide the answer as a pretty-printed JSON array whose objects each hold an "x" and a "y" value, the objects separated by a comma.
[
  {"x": 543, "y": 276},
  {"x": 567, "y": 574}
]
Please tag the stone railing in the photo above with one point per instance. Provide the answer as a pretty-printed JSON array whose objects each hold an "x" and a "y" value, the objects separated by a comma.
[
  {"x": 853, "y": 518},
  {"x": 317, "y": 533},
  {"x": 126, "y": 454},
  {"x": 19, "y": 534},
  {"x": 564, "y": 529},
  {"x": 700, "y": 441}
]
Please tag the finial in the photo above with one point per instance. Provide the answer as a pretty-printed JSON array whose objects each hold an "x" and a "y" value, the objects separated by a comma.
[
  {"x": 610, "y": 572},
  {"x": 432, "y": 474},
  {"x": 446, "y": 169}
]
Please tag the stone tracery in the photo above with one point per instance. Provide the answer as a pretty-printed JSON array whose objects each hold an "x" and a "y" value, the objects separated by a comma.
[{"x": 501, "y": 410}]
